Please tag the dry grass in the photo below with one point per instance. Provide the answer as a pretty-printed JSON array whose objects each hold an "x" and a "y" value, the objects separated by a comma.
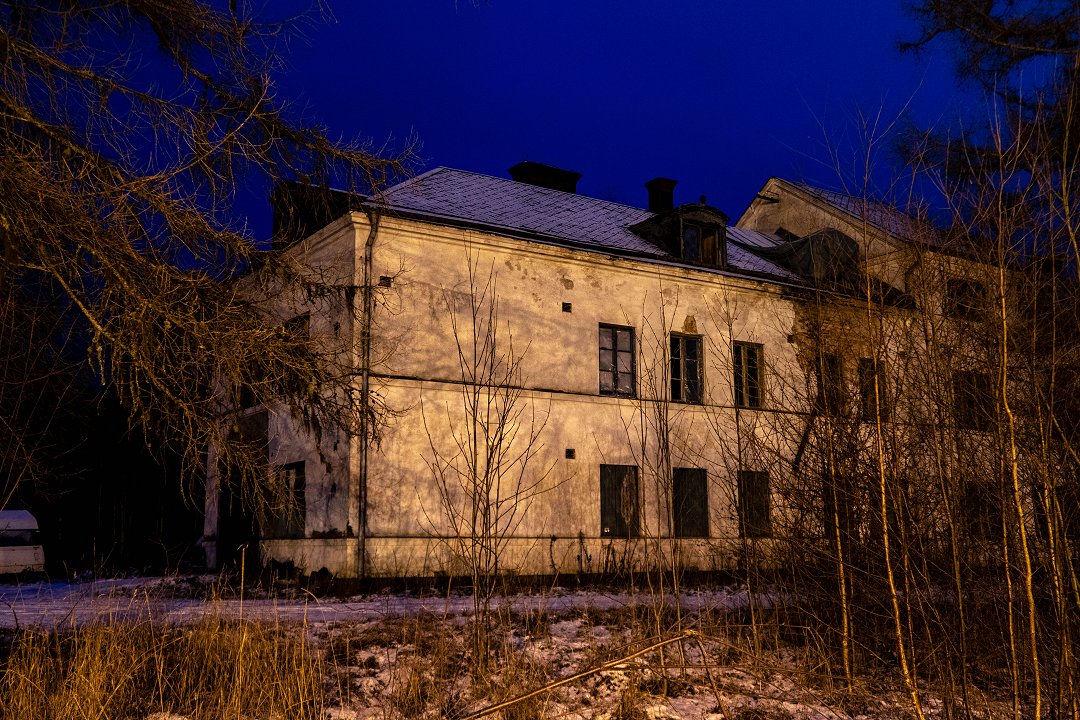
[
  {"x": 418, "y": 667},
  {"x": 213, "y": 669}
]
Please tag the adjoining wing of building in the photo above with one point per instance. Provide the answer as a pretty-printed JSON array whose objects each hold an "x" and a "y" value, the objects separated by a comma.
[{"x": 572, "y": 385}]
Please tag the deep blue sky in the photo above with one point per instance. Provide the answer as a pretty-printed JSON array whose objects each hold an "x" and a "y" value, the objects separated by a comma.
[{"x": 718, "y": 95}]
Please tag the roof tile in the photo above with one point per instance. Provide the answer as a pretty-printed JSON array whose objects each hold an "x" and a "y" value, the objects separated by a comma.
[{"x": 514, "y": 207}]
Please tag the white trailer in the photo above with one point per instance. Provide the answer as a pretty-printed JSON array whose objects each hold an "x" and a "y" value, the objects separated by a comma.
[{"x": 20, "y": 543}]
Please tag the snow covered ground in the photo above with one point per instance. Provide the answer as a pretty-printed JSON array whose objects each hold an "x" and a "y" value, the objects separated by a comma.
[
  {"x": 183, "y": 599},
  {"x": 404, "y": 655}
]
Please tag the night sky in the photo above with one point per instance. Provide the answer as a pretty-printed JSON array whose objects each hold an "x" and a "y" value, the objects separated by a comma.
[{"x": 718, "y": 95}]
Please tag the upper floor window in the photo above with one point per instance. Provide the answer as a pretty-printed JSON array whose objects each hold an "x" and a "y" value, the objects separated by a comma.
[
  {"x": 965, "y": 299},
  {"x": 748, "y": 360},
  {"x": 973, "y": 400},
  {"x": 873, "y": 399},
  {"x": 830, "y": 384},
  {"x": 297, "y": 328},
  {"x": 699, "y": 243},
  {"x": 695, "y": 233},
  {"x": 686, "y": 368},
  {"x": 617, "y": 367}
]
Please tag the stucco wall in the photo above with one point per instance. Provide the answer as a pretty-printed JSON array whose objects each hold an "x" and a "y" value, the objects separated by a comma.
[{"x": 425, "y": 319}]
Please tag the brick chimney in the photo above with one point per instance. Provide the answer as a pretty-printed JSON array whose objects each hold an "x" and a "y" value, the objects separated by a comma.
[
  {"x": 545, "y": 176},
  {"x": 661, "y": 194}
]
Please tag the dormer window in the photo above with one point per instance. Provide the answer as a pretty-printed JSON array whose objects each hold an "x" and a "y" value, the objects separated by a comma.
[
  {"x": 699, "y": 243},
  {"x": 694, "y": 234}
]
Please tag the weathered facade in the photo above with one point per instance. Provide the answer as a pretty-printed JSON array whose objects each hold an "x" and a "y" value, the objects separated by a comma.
[{"x": 578, "y": 386}]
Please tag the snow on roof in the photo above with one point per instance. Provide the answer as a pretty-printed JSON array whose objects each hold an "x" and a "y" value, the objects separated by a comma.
[
  {"x": 741, "y": 246},
  {"x": 520, "y": 208},
  {"x": 501, "y": 203},
  {"x": 753, "y": 238}
]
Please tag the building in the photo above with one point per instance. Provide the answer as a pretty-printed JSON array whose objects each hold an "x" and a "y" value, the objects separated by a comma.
[{"x": 572, "y": 385}]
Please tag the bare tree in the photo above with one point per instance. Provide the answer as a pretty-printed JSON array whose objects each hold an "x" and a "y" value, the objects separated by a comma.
[
  {"x": 484, "y": 445},
  {"x": 118, "y": 196}
]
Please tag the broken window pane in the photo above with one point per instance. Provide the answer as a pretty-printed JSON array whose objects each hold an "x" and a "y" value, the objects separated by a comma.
[
  {"x": 686, "y": 368},
  {"x": 748, "y": 363},
  {"x": 616, "y": 361}
]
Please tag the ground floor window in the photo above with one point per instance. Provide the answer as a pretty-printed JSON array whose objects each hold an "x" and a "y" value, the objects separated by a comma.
[
  {"x": 754, "y": 520},
  {"x": 690, "y": 502},
  {"x": 290, "y": 519},
  {"x": 619, "y": 511}
]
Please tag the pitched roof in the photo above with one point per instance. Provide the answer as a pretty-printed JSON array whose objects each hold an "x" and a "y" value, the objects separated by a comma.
[
  {"x": 499, "y": 204},
  {"x": 881, "y": 215}
]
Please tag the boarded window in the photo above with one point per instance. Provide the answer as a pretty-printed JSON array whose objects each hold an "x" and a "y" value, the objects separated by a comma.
[
  {"x": 690, "y": 500},
  {"x": 617, "y": 361},
  {"x": 686, "y": 368},
  {"x": 748, "y": 361},
  {"x": 290, "y": 519},
  {"x": 754, "y": 503},
  {"x": 619, "y": 501},
  {"x": 973, "y": 400},
  {"x": 965, "y": 299},
  {"x": 872, "y": 391},
  {"x": 829, "y": 373}
]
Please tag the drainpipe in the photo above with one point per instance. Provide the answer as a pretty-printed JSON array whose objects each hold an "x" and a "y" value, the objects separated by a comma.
[{"x": 365, "y": 389}]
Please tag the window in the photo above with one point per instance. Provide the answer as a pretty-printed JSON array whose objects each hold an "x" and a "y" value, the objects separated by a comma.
[
  {"x": 690, "y": 501},
  {"x": 830, "y": 384},
  {"x": 965, "y": 299},
  {"x": 873, "y": 397},
  {"x": 748, "y": 361},
  {"x": 246, "y": 398},
  {"x": 686, "y": 368},
  {"x": 297, "y": 328},
  {"x": 617, "y": 361},
  {"x": 289, "y": 523},
  {"x": 837, "y": 507},
  {"x": 973, "y": 401},
  {"x": 980, "y": 509},
  {"x": 619, "y": 501},
  {"x": 699, "y": 243},
  {"x": 754, "y": 504}
]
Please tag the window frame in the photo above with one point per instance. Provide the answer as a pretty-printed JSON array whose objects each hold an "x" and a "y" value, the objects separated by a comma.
[
  {"x": 708, "y": 241},
  {"x": 677, "y": 360},
  {"x": 622, "y": 481},
  {"x": 871, "y": 375},
  {"x": 292, "y": 522},
  {"x": 742, "y": 382},
  {"x": 685, "y": 483},
  {"x": 974, "y": 404},
  {"x": 965, "y": 298},
  {"x": 615, "y": 350},
  {"x": 831, "y": 396},
  {"x": 298, "y": 327},
  {"x": 760, "y": 525}
]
